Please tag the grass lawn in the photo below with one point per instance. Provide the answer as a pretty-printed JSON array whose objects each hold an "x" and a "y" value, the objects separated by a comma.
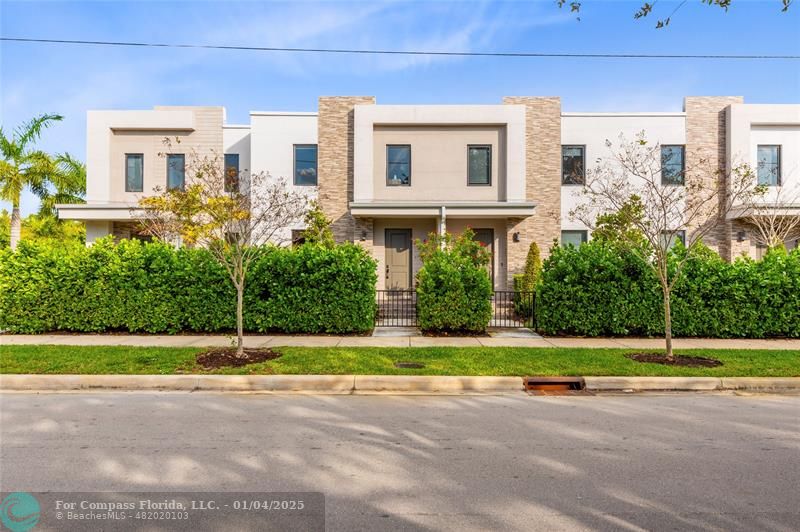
[{"x": 515, "y": 361}]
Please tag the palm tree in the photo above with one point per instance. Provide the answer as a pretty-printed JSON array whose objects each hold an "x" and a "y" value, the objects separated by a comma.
[{"x": 54, "y": 180}]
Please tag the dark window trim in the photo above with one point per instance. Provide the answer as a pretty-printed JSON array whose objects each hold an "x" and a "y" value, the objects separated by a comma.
[
  {"x": 779, "y": 181},
  {"x": 561, "y": 165},
  {"x": 469, "y": 177},
  {"x": 683, "y": 165},
  {"x": 140, "y": 155},
  {"x": 183, "y": 184},
  {"x": 388, "y": 181},
  {"x": 584, "y": 235},
  {"x": 294, "y": 165}
]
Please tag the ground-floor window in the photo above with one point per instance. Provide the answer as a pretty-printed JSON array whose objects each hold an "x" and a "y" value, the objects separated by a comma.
[
  {"x": 574, "y": 237},
  {"x": 670, "y": 238}
]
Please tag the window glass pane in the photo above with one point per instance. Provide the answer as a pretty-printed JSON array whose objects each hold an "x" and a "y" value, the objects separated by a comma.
[
  {"x": 672, "y": 165},
  {"x": 572, "y": 165},
  {"x": 398, "y": 165},
  {"x": 480, "y": 165},
  {"x": 769, "y": 165},
  {"x": 670, "y": 238},
  {"x": 134, "y": 172},
  {"x": 231, "y": 172},
  {"x": 305, "y": 165},
  {"x": 575, "y": 238},
  {"x": 176, "y": 170}
]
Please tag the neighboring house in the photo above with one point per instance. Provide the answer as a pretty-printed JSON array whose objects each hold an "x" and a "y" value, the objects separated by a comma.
[{"x": 389, "y": 174}]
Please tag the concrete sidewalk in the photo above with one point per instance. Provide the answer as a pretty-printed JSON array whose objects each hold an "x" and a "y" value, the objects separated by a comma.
[{"x": 391, "y": 341}]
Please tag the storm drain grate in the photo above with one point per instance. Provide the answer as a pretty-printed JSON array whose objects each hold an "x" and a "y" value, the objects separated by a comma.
[
  {"x": 409, "y": 365},
  {"x": 555, "y": 386}
]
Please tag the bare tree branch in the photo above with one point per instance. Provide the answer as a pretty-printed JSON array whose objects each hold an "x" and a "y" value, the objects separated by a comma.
[
  {"x": 233, "y": 219},
  {"x": 695, "y": 203}
]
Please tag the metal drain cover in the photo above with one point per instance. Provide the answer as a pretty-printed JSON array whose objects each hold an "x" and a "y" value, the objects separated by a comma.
[
  {"x": 555, "y": 385},
  {"x": 409, "y": 365}
]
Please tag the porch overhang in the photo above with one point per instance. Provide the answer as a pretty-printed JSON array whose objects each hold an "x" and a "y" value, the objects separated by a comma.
[
  {"x": 116, "y": 212},
  {"x": 762, "y": 210},
  {"x": 454, "y": 209}
]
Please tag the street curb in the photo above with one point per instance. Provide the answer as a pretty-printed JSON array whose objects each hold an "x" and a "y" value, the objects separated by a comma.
[
  {"x": 432, "y": 384},
  {"x": 349, "y": 384},
  {"x": 695, "y": 384}
]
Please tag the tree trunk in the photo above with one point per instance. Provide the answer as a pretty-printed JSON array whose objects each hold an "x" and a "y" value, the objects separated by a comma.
[
  {"x": 240, "y": 320},
  {"x": 16, "y": 226},
  {"x": 667, "y": 321}
]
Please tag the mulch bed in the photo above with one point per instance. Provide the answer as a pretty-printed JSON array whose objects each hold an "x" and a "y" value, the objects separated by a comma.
[
  {"x": 226, "y": 358},
  {"x": 676, "y": 360}
]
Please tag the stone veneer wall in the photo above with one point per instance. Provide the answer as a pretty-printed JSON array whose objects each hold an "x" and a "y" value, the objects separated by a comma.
[
  {"x": 543, "y": 181},
  {"x": 335, "y": 170},
  {"x": 706, "y": 139}
]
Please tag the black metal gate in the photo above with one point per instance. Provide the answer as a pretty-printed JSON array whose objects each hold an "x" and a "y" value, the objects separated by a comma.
[
  {"x": 510, "y": 309},
  {"x": 396, "y": 308}
]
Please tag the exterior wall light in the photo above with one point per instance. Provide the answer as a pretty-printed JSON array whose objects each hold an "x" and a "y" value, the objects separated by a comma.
[
  {"x": 740, "y": 236},
  {"x": 515, "y": 237},
  {"x": 363, "y": 236}
]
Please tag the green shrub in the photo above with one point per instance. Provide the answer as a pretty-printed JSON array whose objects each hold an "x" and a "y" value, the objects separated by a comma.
[
  {"x": 600, "y": 289},
  {"x": 312, "y": 289},
  {"x": 156, "y": 288},
  {"x": 454, "y": 290}
]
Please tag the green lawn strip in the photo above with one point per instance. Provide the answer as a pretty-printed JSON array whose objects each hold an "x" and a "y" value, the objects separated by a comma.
[
  {"x": 515, "y": 361},
  {"x": 98, "y": 360}
]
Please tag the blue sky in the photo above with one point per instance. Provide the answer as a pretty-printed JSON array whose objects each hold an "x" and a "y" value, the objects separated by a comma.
[{"x": 68, "y": 79}]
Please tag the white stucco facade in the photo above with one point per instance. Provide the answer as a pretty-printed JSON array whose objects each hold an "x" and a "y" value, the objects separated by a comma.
[
  {"x": 592, "y": 130},
  {"x": 438, "y": 136}
]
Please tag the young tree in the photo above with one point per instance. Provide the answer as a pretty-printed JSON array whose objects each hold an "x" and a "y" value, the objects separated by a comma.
[
  {"x": 629, "y": 182},
  {"x": 773, "y": 215},
  {"x": 232, "y": 225},
  {"x": 318, "y": 227},
  {"x": 53, "y": 179},
  {"x": 619, "y": 228}
]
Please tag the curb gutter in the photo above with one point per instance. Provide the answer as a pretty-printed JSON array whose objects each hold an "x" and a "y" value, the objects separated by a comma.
[{"x": 349, "y": 384}]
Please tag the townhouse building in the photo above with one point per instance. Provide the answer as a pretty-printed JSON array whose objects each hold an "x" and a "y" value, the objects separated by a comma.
[{"x": 387, "y": 175}]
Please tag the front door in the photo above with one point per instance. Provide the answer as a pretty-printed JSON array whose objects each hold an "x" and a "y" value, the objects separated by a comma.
[
  {"x": 486, "y": 237},
  {"x": 398, "y": 259}
]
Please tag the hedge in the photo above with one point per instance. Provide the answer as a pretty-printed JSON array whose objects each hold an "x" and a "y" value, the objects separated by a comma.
[
  {"x": 454, "y": 291},
  {"x": 599, "y": 290},
  {"x": 155, "y": 288}
]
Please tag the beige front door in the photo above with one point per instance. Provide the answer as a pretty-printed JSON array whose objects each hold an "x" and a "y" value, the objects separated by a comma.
[
  {"x": 486, "y": 237},
  {"x": 398, "y": 259}
]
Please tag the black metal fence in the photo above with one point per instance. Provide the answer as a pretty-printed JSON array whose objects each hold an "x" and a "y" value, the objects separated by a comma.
[
  {"x": 396, "y": 308},
  {"x": 510, "y": 309}
]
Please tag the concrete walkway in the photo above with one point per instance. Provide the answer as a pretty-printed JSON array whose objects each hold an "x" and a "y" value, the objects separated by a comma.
[{"x": 391, "y": 341}]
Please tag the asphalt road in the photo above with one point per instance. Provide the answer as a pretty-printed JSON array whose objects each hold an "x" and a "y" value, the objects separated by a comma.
[{"x": 657, "y": 462}]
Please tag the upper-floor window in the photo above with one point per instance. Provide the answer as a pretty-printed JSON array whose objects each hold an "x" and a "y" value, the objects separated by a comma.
[
  {"x": 479, "y": 165},
  {"x": 231, "y": 178},
  {"x": 574, "y": 237},
  {"x": 134, "y": 172},
  {"x": 398, "y": 165},
  {"x": 573, "y": 168},
  {"x": 305, "y": 164},
  {"x": 672, "y": 165},
  {"x": 176, "y": 171},
  {"x": 769, "y": 165}
]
